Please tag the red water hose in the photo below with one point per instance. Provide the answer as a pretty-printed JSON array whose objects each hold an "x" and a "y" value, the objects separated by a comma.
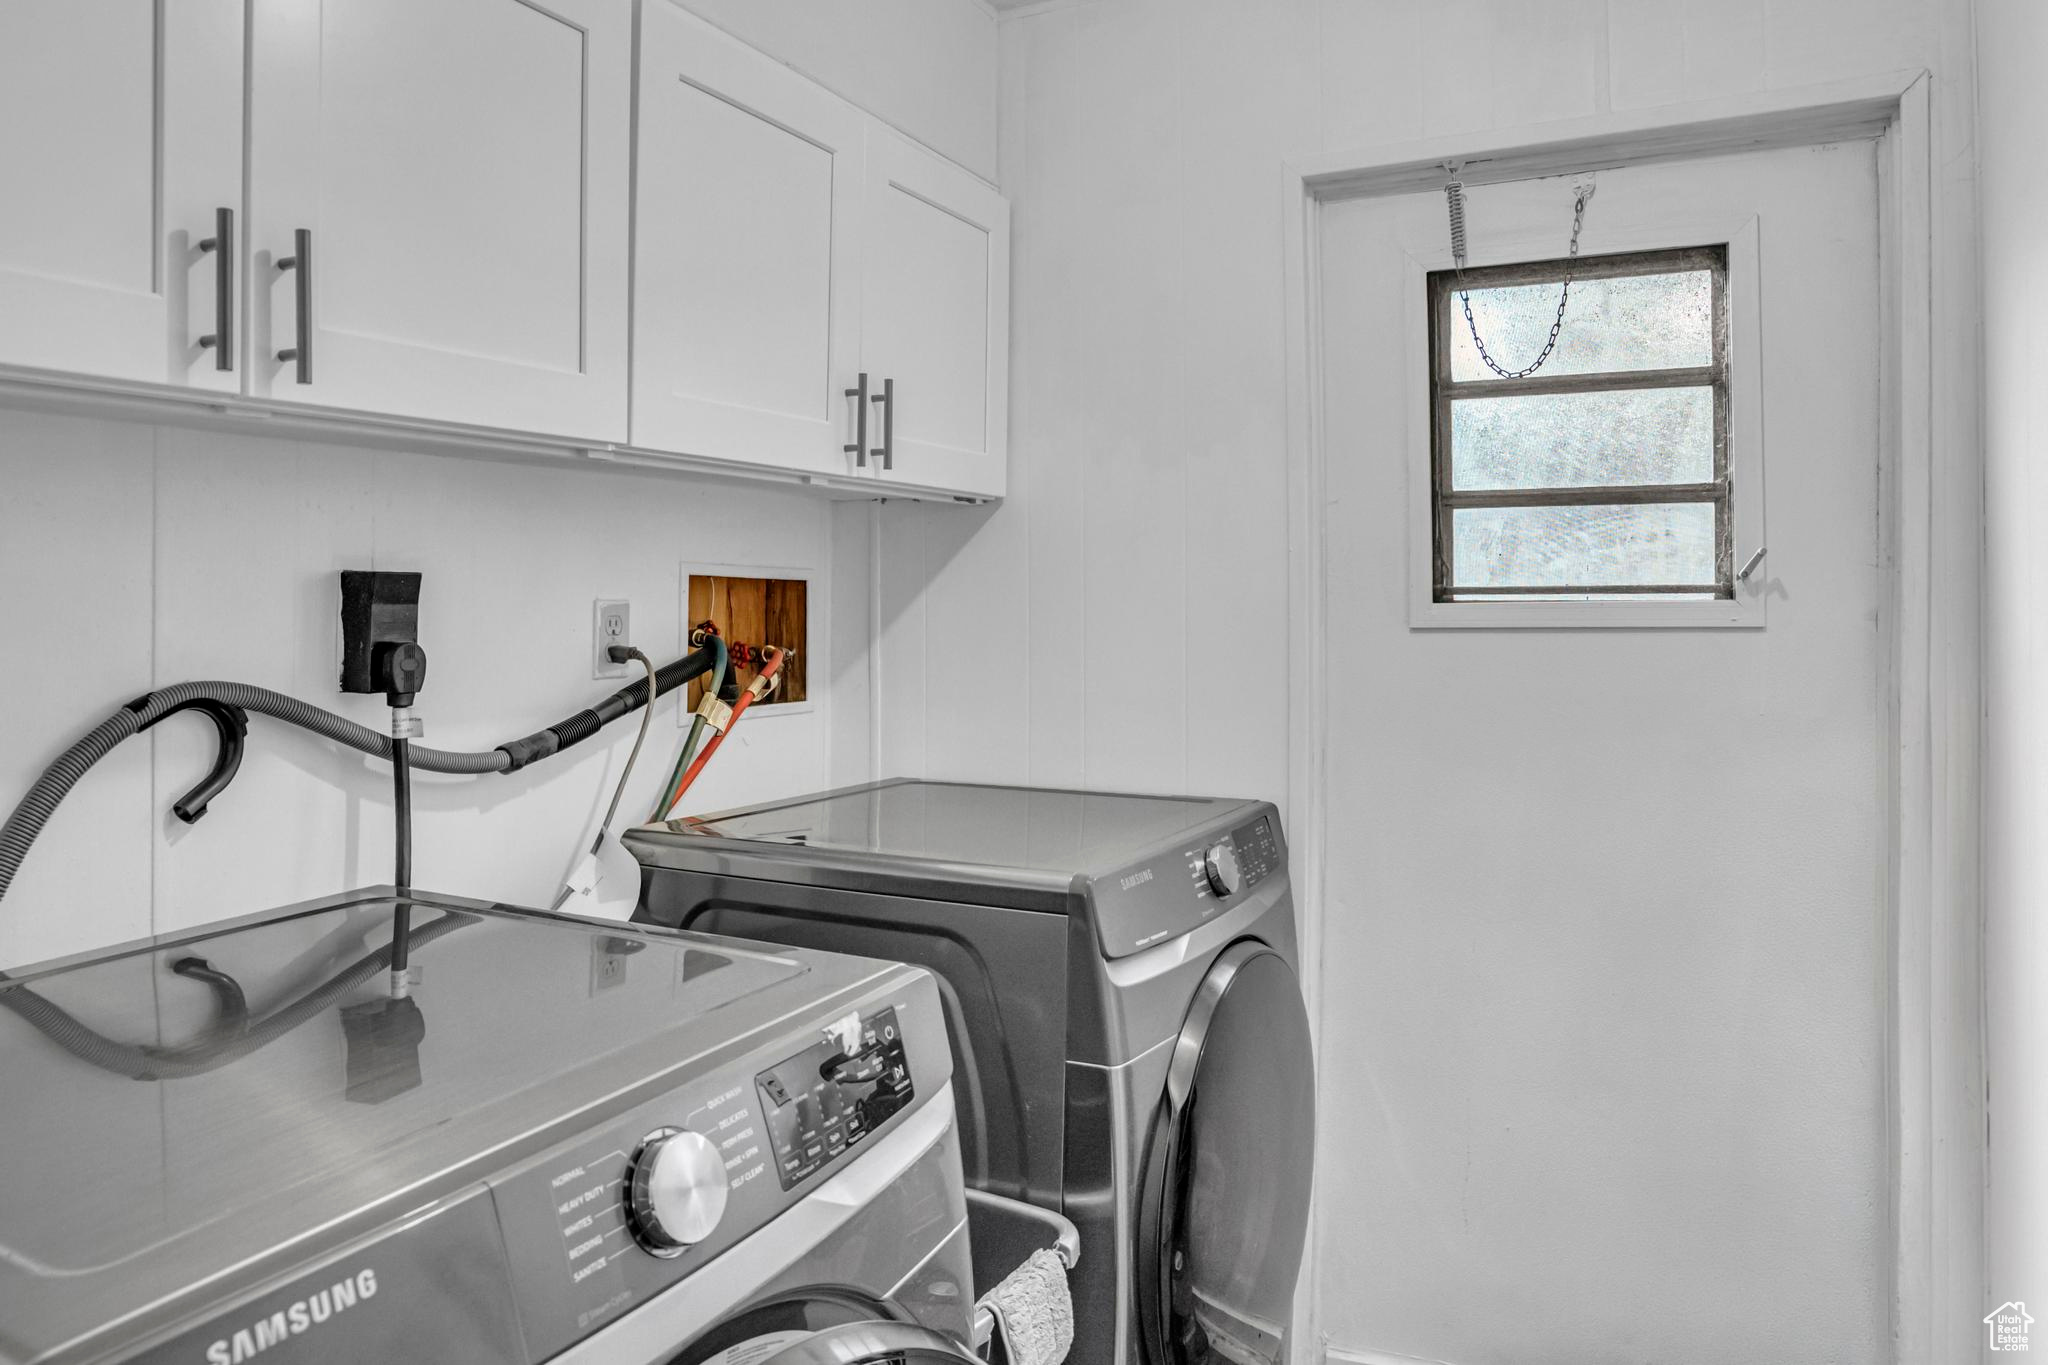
[{"x": 757, "y": 688}]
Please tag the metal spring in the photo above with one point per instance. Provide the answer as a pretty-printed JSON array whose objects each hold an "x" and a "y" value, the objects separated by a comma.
[{"x": 1454, "y": 194}]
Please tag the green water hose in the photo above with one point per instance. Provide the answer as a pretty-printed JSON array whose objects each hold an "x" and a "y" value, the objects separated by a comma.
[{"x": 714, "y": 687}]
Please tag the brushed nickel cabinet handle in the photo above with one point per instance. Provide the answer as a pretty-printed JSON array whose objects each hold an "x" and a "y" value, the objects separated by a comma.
[
  {"x": 887, "y": 398},
  {"x": 859, "y": 448},
  {"x": 301, "y": 261},
  {"x": 222, "y": 245}
]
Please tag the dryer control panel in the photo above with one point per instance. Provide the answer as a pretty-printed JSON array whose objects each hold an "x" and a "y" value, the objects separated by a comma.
[
  {"x": 1258, "y": 850},
  {"x": 1173, "y": 893},
  {"x": 1236, "y": 862}
]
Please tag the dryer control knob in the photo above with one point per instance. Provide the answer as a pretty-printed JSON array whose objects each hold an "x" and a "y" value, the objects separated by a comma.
[
  {"x": 677, "y": 1192},
  {"x": 1220, "y": 863}
]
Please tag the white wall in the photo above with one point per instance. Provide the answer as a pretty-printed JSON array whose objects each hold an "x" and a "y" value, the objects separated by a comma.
[
  {"x": 927, "y": 66},
  {"x": 136, "y": 556},
  {"x": 1141, "y": 150},
  {"x": 2012, "y": 42},
  {"x": 1120, "y": 621}
]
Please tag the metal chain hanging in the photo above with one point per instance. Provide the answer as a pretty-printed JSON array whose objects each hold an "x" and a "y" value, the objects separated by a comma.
[{"x": 1454, "y": 193}]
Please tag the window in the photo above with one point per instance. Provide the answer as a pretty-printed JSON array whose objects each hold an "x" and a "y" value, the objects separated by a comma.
[{"x": 1605, "y": 475}]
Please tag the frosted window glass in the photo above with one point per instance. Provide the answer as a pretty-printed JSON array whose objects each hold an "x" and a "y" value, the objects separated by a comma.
[
  {"x": 1634, "y": 322},
  {"x": 1578, "y": 440},
  {"x": 1582, "y": 546}
]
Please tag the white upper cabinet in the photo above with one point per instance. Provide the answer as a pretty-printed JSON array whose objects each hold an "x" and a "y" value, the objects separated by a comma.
[
  {"x": 456, "y": 216},
  {"x": 123, "y": 141},
  {"x": 785, "y": 244},
  {"x": 459, "y": 172},
  {"x": 935, "y": 310},
  {"x": 746, "y": 320}
]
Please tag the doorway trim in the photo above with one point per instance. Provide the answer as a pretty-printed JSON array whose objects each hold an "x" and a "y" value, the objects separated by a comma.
[{"x": 1932, "y": 541}]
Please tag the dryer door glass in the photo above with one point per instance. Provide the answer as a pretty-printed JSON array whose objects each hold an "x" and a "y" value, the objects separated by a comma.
[{"x": 1225, "y": 1203}]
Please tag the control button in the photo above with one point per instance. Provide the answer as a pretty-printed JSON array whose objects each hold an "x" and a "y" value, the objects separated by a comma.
[
  {"x": 858, "y": 1069},
  {"x": 1220, "y": 865},
  {"x": 678, "y": 1191}
]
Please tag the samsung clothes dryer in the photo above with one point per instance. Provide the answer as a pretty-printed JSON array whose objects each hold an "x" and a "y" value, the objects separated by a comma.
[{"x": 1119, "y": 978}]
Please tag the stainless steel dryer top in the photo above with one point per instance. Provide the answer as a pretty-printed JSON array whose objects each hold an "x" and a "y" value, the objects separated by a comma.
[{"x": 1143, "y": 868}]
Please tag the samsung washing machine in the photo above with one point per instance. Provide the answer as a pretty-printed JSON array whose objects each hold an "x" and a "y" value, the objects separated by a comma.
[
  {"x": 1119, "y": 978},
  {"x": 565, "y": 1142}
]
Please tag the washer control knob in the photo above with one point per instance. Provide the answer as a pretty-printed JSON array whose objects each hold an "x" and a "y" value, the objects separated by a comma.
[
  {"x": 677, "y": 1192},
  {"x": 1220, "y": 863}
]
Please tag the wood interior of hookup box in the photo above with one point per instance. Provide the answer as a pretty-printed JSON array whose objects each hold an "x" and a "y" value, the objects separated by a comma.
[{"x": 756, "y": 611}]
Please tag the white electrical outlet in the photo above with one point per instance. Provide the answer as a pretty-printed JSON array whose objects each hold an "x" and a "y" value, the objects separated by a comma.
[{"x": 611, "y": 624}]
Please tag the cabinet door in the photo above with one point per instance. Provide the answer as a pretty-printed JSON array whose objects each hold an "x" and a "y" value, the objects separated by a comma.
[
  {"x": 936, "y": 315},
  {"x": 746, "y": 317},
  {"x": 461, "y": 167},
  {"x": 124, "y": 134}
]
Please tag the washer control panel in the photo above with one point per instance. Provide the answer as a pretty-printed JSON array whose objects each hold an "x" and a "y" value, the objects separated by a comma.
[
  {"x": 602, "y": 1223},
  {"x": 834, "y": 1093},
  {"x": 677, "y": 1191}
]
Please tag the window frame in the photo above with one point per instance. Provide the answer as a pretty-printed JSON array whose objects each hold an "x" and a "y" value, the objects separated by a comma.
[{"x": 1732, "y": 247}]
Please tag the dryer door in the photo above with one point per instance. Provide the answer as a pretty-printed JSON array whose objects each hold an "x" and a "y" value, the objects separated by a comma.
[{"x": 1224, "y": 1209}]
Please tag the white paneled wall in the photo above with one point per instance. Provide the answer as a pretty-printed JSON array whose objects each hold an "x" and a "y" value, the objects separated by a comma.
[
  {"x": 1136, "y": 579},
  {"x": 137, "y": 556},
  {"x": 77, "y": 578},
  {"x": 1141, "y": 148}
]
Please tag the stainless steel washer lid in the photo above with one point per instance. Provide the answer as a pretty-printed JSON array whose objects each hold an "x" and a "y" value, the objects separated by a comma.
[{"x": 164, "y": 1154}]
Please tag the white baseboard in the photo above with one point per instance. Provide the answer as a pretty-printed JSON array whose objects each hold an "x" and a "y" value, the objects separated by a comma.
[{"x": 1347, "y": 1355}]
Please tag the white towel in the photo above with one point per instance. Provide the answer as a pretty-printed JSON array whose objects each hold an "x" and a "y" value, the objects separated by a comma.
[{"x": 1034, "y": 1311}]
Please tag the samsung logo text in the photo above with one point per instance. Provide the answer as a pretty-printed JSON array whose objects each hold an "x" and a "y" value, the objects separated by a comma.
[{"x": 290, "y": 1321}]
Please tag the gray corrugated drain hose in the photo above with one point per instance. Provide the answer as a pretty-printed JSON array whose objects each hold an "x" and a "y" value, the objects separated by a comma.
[
  {"x": 28, "y": 819},
  {"x": 35, "y": 809}
]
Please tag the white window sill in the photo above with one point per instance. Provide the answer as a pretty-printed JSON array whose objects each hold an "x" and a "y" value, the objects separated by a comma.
[{"x": 1746, "y": 611}]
